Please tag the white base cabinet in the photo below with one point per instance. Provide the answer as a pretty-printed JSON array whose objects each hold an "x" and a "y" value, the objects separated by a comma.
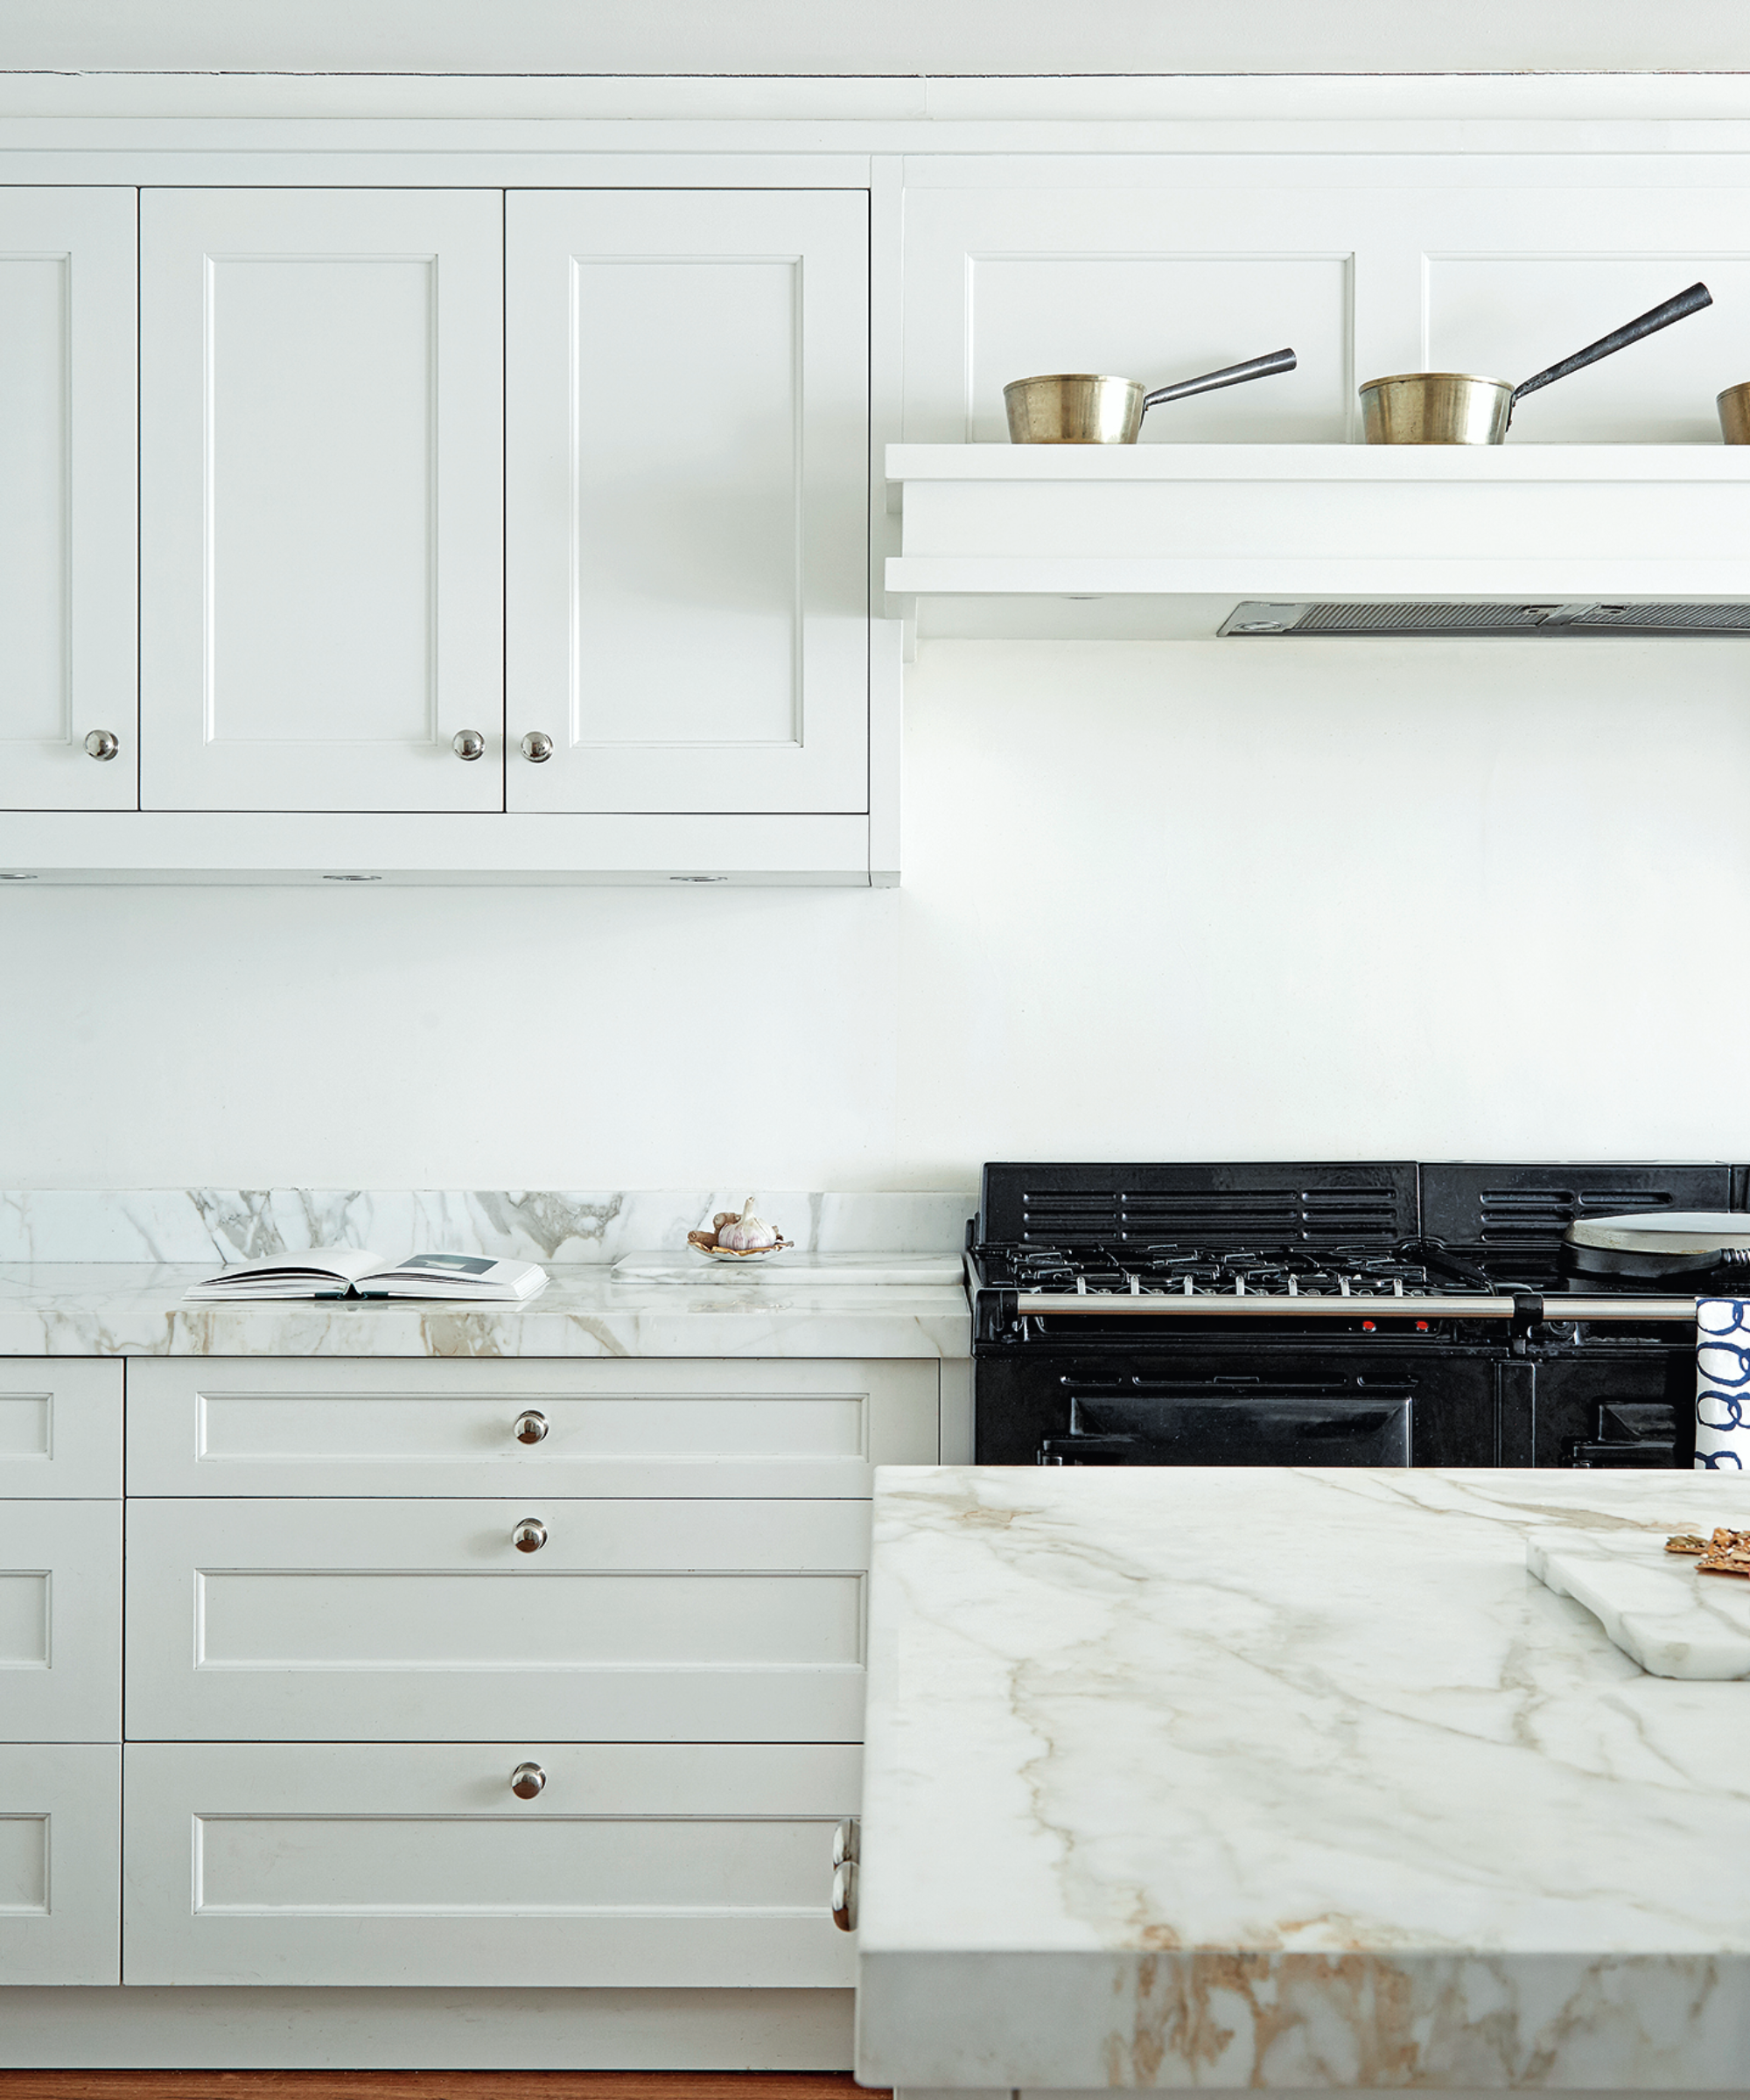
[
  {"x": 648, "y": 1865},
  {"x": 340, "y": 1658},
  {"x": 60, "y": 1621},
  {"x": 401, "y": 1622},
  {"x": 60, "y": 1840}
]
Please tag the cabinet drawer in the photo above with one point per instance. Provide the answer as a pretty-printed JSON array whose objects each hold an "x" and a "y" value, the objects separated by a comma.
[
  {"x": 402, "y": 1621},
  {"x": 652, "y": 1427},
  {"x": 60, "y": 1426},
  {"x": 60, "y": 1622},
  {"x": 60, "y": 1846},
  {"x": 355, "y": 1863}
]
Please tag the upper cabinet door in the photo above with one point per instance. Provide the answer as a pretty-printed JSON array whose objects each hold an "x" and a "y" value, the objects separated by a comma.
[
  {"x": 68, "y": 507},
  {"x": 321, "y": 467},
  {"x": 688, "y": 491}
]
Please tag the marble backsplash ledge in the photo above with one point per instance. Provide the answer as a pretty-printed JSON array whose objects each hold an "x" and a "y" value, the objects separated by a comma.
[{"x": 532, "y": 1224}]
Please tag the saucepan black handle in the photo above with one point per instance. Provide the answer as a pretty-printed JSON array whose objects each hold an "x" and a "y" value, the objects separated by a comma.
[
  {"x": 1686, "y": 303},
  {"x": 1229, "y": 375}
]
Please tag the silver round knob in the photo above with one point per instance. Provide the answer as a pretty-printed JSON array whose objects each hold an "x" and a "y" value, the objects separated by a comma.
[
  {"x": 537, "y": 747},
  {"x": 844, "y": 1842},
  {"x": 844, "y": 1896},
  {"x": 529, "y": 1535},
  {"x": 468, "y": 744},
  {"x": 531, "y": 1426},
  {"x": 102, "y": 744},
  {"x": 527, "y": 1782}
]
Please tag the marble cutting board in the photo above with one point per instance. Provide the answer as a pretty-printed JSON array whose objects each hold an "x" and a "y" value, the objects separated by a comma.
[
  {"x": 1653, "y": 1605},
  {"x": 790, "y": 1268}
]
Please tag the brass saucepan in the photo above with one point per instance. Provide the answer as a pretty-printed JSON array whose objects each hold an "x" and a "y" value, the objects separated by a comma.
[
  {"x": 1734, "y": 414},
  {"x": 1090, "y": 408},
  {"x": 1461, "y": 408}
]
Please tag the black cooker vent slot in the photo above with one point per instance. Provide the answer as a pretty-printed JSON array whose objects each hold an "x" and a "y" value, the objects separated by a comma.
[
  {"x": 1227, "y": 1217},
  {"x": 1522, "y": 1217}
]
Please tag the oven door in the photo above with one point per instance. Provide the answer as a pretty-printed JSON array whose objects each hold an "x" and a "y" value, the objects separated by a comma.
[
  {"x": 1285, "y": 1425},
  {"x": 1275, "y": 1407}
]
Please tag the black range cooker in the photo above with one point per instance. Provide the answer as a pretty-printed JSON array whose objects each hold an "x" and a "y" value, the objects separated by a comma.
[{"x": 1372, "y": 1313}]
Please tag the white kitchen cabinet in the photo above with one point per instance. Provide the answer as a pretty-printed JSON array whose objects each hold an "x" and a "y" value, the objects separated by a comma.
[
  {"x": 60, "y": 1836},
  {"x": 687, "y": 417},
  {"x": 60, "y": 1621},
  {"x": 321, "y": 587},
  {"x": 402, "y": 1621},
  {"x": 60, "y": 1426},
  {"x": 637, "y": 1865},
  {"x": 67, "y": 499},
  {"x": 650, "y": 1426}
]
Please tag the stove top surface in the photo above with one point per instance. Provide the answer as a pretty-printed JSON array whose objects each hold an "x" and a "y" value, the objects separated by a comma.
[{"x": 1183, "y": 1269}]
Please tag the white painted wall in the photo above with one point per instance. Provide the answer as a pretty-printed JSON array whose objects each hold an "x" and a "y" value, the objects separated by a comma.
[
  {"x": 1163, "y": 899},
  {"x": 875, "y": 36}
]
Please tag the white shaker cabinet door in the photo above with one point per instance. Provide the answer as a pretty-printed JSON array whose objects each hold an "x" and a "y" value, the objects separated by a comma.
[
  {"x": 60, "y": 1863},
  {"x": 402, "y": 1621},
  {"x": 687, "y": 484},
  {"x": 67, "y": 464},
  {"x": 60, "y": 1621},
  {"x": 631, "y": 1865},
  {"x": 321, "y": 469}
]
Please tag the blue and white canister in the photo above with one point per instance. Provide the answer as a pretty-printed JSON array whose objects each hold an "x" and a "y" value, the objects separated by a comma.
[{"x": 1723, "y": 1384}]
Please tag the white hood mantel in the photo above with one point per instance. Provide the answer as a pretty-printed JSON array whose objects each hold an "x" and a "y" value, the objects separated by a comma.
[{"x": 1170, "y": 539}]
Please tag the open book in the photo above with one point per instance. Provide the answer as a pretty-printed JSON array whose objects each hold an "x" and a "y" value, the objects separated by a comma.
[{"x": 353, "y": 1273}]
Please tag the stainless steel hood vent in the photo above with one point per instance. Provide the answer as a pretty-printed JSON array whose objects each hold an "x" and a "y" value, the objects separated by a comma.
[{"x": 1583, "y": 616}]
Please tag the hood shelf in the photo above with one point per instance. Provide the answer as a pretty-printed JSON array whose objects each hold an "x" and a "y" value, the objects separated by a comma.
[{"x": 1169, "y": 539}]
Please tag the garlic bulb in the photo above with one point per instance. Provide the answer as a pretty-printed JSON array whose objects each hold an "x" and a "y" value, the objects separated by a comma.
[{"x": 745, "y": 1231}]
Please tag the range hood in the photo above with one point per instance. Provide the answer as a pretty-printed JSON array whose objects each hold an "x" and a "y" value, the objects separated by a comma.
[
  {"x": 1580, "y": 617},
  {"x": 1436, "y": 542}
]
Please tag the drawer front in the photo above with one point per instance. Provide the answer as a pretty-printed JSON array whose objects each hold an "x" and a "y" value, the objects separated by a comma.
[
  {"x": 651, "y": 1427},
  {"x": 411, "y": 1621},
  {"x": 644, "y": 1864},
  {"x": 60, "y": 1622},
  {"x": 60, "y": 1426},
  {"x": 61, "y": 1858}
]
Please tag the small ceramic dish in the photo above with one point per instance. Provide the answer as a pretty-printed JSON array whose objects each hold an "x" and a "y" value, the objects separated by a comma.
[{"x": 706, "y": 1244}]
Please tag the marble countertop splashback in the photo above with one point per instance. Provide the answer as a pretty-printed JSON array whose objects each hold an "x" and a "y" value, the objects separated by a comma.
[
  {"x": 1290, "y": 1779},
  {"x": 137, "y": 1309},
  {"x": 102, "y": 1273},
  {"x": 546, "y": 1225}
]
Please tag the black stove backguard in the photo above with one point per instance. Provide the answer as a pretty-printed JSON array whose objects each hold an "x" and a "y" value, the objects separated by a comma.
[{"x": 1364, "y": 1389}]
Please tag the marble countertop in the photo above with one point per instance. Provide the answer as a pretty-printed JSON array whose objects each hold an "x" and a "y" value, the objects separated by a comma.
[
  {"x": 136, "y": 1308},
  {"x": 1292, "y": 1778}
]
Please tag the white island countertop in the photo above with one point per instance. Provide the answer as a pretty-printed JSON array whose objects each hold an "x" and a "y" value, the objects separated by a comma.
[
  {"x": 1291, "y": 1779},
  {"x": 137, "y": 1309}
]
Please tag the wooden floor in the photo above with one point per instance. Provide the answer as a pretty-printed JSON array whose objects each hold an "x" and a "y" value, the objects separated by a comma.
[{"x": 429, "y": 2085}]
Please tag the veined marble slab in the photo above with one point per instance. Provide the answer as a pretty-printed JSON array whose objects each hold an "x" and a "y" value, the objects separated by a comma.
[
  {"x": 1294, "y": 1779},
  {"x": 1655, "y": 1605},
  {"x": 137, "y": 1309},
  {"x": 213, "y": 1225}
]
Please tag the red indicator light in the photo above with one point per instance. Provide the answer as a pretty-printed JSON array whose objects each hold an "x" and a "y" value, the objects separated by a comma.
[
  {"x": 1367, "y": 1327},
  {"x": 1421, "y": 1327}
]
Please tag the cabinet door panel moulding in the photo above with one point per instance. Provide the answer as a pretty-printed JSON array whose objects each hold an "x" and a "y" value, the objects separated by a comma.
[
  {"x": 664, "y": 1428},
  {"x": 404, "y": 1620},
  {"x": 60, "y": 1879},
  {"x": 320, "y": 375},
  {"x": 687, "y": 415},
  {"x": 357, "y": 1863},
  {"x": 60, "y": 1621},
  {"x": 67, "y": 628}
]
